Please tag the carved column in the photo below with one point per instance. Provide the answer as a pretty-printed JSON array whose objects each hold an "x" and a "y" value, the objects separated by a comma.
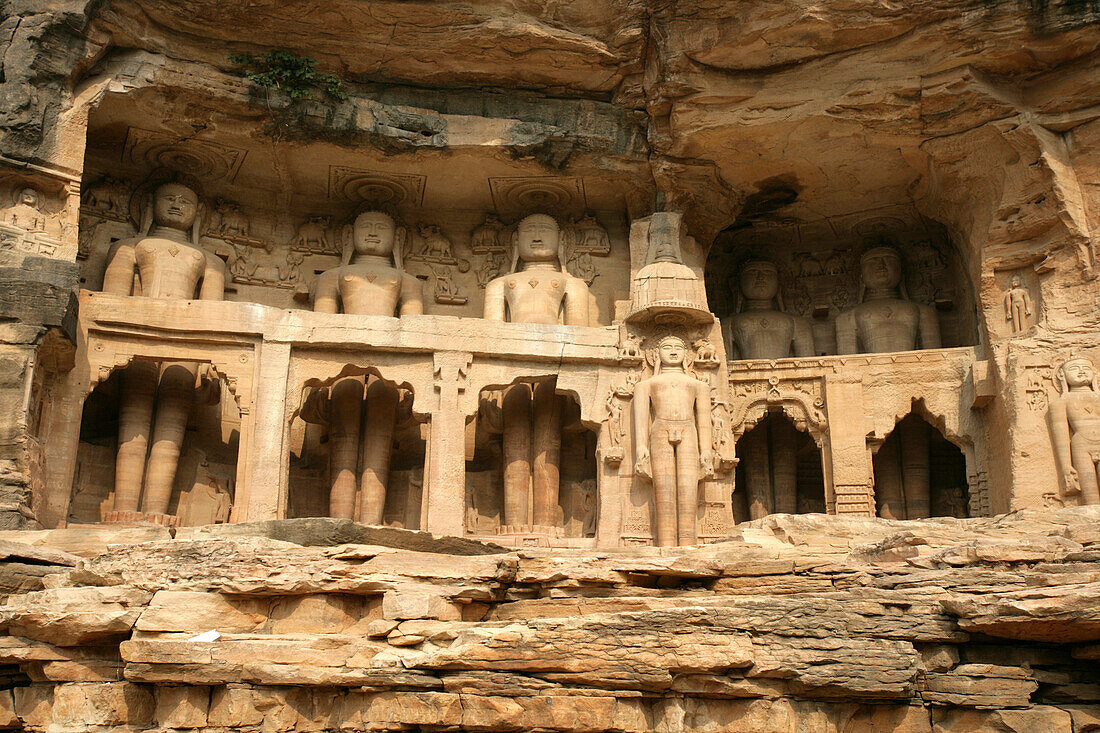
[
  {"x": 445, "y": 480},
  {"x": 847, "y": 445},
  {"x": 264, "y": 456}
]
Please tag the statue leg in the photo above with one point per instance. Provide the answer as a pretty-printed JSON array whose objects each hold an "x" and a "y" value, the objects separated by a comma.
[
  {"x": 888, "y": 487},
  {"x": 915, "y": 471},
  {"x": 380, "y": 412},
  {"x": 783, "y": 439},
  {"x": 662, "y": 460},
  {"x": 174, "y": 397},
  {"x": 516, "y": 417},
  {"x": 754, "y": 457},
  {"x": 687, "y": 487},
  {"x": 1084, "y": 456},
  {"x": 135, "y": 418},
  {"x": 347, "y": 401},
  {"x": 545, "y": 473}
]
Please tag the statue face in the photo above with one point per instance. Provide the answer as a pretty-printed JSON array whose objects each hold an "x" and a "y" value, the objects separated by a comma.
[
  {"x": 759, "y": 281},
  {"x": 1079, "y": 373},
  {"x": 373, "y": 234},
  {"x": 537, "y": 237},
  {"x": 881, "y": 268},
  {"x": 1015, "y": 281},
  {"x": 29, "y": 197},
  {"x": 672, "y": 352},
  {"x": 175, "y": 206}
]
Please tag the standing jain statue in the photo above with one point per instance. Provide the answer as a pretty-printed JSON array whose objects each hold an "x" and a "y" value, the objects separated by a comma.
[
  {"x": 1075, "y": 429},
  {"x": 362, "y": 412},
  {"x": 538, "y": 290},
  {"x": 672, "y": 425},
  {"x": 761, "y": 330},
  {"x": 164, "y": 261},
  {"x": 1017, "y": 303},
  {"x": 885, "y": 319}
]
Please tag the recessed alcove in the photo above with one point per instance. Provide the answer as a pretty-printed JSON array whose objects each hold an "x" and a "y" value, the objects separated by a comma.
[
  {"x": 779, "y": 471},
  {"x": 919, "y": 473}
]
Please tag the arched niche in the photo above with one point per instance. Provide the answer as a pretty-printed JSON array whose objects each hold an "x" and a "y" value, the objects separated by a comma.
[
  {"x": 575, "y": 512},
  {"x": 204, "y": 486},
  {"x": 780, "y": 469},
  {"x": 313, "y": 426},
  {"x": 919, "y": 473},
  {"x": 818, "y": 262}
]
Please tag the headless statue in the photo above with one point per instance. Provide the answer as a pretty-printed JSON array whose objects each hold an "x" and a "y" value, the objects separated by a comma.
[
  {"x": 164, "y": 262},
  {"x": 885, "y": 320},
  {"x": 1075, "y": 430},
  {"x": 760, "y": 330},
  {"x": 672, "y": 422},
  {"x": 1017, "y": 305},
  {"x": 362, "y": 413},
  {"x": 539, "y": 291}
]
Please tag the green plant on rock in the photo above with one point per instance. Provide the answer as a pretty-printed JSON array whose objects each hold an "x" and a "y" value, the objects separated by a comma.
[{"x": 294, "y": 76}]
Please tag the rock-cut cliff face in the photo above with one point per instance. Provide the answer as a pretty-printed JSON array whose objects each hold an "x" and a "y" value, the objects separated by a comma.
[{"x": 800, "y": 624}]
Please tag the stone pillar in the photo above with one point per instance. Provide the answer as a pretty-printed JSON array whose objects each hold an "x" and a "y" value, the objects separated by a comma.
[
  {"x": 263, "y": 460},
  {"x": 445, "y": 480},
  {"x": 848, "y": 454}
]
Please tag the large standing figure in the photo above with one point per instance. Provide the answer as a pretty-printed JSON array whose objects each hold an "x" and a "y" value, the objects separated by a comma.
[
  {"x": 1075, "y": 429},
  {"x": 165, "y": 261},
  {"x": 537, "y": 290},
  {"x": 362, "y": 412},
  {"x": 761, "y": 330},
  {"x": 672, "y": 422}
]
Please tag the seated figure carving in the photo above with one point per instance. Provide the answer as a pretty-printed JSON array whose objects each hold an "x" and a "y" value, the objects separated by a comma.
[
  {"x": 361, "y": 413},
  {"x": 885, "y": 319}
]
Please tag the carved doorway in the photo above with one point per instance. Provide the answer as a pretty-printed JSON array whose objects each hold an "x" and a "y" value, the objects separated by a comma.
[
  {"x": 779, "y": 471},
  {"x": 919, "y": 473}
]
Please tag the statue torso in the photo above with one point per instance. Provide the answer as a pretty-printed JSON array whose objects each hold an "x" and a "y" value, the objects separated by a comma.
[
  {"x": 1083, "y": 411},
  {"x": 762, "y": 334},
  {"x": 169, "y": 269},
  {"x": 887, "y": 325},
  {"x": 535, "y": 296},
  {"x": 370, "y": 290},
  {"x": 672, "y": 396}
]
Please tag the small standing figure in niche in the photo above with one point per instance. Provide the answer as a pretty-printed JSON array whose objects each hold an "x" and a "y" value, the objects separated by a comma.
[
  {"x": 885, "y": 319},
  {"x": 1017, "y": 305},
  {"x": 1075, "y": 429},
  {"x": 672, "y": 419}
]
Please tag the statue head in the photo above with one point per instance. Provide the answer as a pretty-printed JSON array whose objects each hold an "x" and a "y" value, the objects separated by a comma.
[
  {"x": 1076, "y": 373},
  {"x": 374, "y": 233},
  {"x": 671, "y": 351},
  {"x": 29, "y": 197},
  {"x": 759, "y": 280},
  {"x": 1015, "y": 281},
  {"x": 175, "y": 206},
  {"x": 537, "y": 239},
  {"x": 880, "y": 268}
]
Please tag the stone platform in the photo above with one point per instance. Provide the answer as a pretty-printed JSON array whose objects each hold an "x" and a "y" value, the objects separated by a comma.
[{"x": 799, "y": 623}]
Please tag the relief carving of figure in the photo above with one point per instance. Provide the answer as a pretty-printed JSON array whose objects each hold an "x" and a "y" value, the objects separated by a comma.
[
  {"x": 435, "y": 244},
  {"x": 591, "y": 237},
  {"x": 26, "y": 213},
  {"x": 760, "y": 329},
  {"x": 234, "y": 223},
  {"x": 537, "y": 291},
  {"x": 362, "y": 413},
  {"x": 1075, "y": 429},
  {"x": 885, "y": 320},
  {"x": 1017, "y": 303},
  {"x": 486, "y": 238},
  {"x": 106, "y": 195},
  {"x": 164, "y": 261},
  {"x": 312, "y": 235},
  {"x": 672, "y": 419}
]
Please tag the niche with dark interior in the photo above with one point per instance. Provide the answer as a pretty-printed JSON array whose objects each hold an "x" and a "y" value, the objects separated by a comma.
[
  {"x": 919, "y": 473},
  {"x": 779, "y": 470}
]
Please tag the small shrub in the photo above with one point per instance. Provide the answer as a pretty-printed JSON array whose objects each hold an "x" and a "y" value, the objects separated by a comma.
[{"x": 294, "y": 76}]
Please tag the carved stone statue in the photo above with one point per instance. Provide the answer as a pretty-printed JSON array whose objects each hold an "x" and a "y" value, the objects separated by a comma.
[
  {"x": 885, "y": 320},
  {"x": 1075, "y": 429},
  {"x": 312, "y": 235},
  {"x": 672, "y": 422},
  {"x": 903, "y": 472},
  {"x": 1017, "y": 305},
  {"x": 362, "y": 413},
  {"x": 760, "y": 330},
  {"x": 538, "y": 290},
  {"x": 26, "y": 213},
  {"x": 168, "y": 263}
]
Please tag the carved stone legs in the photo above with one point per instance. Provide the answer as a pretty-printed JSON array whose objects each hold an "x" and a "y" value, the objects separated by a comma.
[
  {"x": 687, "y": 487},
  {"x": 174, "y": 398},
  {"x": 347, "y": 402},
  {"x": 913, "y": 443},
  {"x": 517, "y": 454},
  {"x": 783, "y": 438},
  {"x": 662, "y": 458},
  {"x": 755, "y": 459},
  {"x": 1082, "y": 451},
  {"x": 547, "y": 454},
  {"x": 889, "y": 489},
  {"x": 135, "y": 418},
  {"x": 379, "y": 418}
]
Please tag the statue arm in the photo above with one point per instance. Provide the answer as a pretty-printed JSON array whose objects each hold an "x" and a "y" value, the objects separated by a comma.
[
  {"x": 213, "y": 279},
  {"x": 1027, "y": 303},
  {"x": 803, "y": 338},
  {"x": 929, "y": 328},
  {"x": 494, "y": 300},
  {"x": 327, "y": 297},
  {"x": 412, "y": 297},
  {"x": 847, "y": 341},
  {"x": 118, "y": 278},
  {"x": 640, "y": 410},
  {"x": 732, "y": 353},
  {"x": 1008, "y": 305},
  {"x": 703, "y": 419},
  {"x": 576, "y": 303}
]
